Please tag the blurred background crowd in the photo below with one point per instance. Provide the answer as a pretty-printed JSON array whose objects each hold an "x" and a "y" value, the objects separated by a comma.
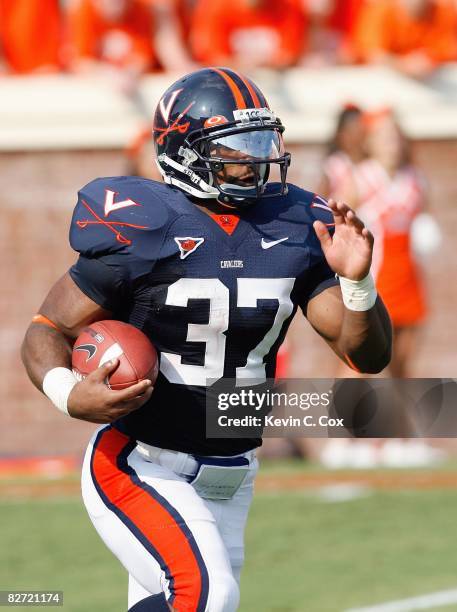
[
  {"x": 367, "y": 91},
  {"x": 121, "y": 39}
]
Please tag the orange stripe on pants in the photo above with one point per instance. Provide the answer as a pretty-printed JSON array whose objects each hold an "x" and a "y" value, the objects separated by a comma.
[{"x": 142, "y": 509}]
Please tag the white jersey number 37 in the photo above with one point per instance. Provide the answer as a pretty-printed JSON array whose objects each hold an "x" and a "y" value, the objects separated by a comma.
[{"x": 249, "y": 291}]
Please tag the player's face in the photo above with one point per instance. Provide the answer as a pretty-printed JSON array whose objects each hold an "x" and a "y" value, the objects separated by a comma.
[
  {"x": 235, "y": 174},
  {"x": 248, "y": 146}
]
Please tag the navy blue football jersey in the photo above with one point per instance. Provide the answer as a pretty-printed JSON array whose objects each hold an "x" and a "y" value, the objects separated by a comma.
[{"x": 214, "y": 305}]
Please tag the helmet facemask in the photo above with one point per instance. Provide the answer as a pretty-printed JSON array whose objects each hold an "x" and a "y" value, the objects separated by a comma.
[{"x": 231, "y": 162}]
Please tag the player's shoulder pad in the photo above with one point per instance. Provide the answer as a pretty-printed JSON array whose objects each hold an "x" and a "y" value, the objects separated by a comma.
[
  {"x": 311, "y": 206},
  {"x": 122, "y": 213}
]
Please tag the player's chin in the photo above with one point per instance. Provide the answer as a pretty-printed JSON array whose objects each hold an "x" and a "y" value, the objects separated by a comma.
[{"x": 246, "y": 180}]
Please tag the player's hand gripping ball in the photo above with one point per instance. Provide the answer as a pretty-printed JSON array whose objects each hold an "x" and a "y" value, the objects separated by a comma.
[{"x": 105, "y": 340}]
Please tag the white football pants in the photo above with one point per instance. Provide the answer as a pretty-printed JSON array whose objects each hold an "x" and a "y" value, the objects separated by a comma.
[{"x": 166, "y": 536}]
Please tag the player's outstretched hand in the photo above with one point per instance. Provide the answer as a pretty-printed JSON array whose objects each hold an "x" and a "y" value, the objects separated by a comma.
[
  {"x": 92, "y": 400},
  {"x": 349, "y": 251}
]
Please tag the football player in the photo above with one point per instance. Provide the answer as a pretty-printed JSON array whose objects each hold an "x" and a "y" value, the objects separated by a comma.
[{"x": 212, "y": 265}]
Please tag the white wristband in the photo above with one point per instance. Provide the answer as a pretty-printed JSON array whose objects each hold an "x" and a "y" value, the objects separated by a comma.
[
  {"x": 358, "y": 295},
  {"x": 57, "y": 385}
]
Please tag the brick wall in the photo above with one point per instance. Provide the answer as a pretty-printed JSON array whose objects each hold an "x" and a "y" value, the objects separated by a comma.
[{"x": 38, "y": 192}]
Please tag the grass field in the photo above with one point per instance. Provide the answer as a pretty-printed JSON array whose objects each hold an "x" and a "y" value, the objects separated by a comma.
[{"x": 305, "y": 551}]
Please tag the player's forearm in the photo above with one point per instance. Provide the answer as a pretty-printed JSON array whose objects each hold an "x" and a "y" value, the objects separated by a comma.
[
  {"x": 365, "y": 340},
  {"x": 42, "y": 350}
]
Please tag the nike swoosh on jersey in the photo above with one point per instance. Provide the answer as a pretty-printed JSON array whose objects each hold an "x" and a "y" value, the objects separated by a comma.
[{"x": 268, "y": 245}]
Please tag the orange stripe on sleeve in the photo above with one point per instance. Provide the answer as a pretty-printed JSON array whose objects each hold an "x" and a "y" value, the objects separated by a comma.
[
  {"x": 42, "y": 320},
  {"x": 351, "y": 363}
]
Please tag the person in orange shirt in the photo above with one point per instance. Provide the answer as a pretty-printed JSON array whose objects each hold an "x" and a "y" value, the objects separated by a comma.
[
  {"x": 414, "y": 36},
  {"x": 30, "y": 36},
  {"x": 343, "y": 15},
  {"x": 179, "y": 12},
  {"x": 330, "y": 27},
  {"x": 112, "y": 38},
  {"x": 184, "y": 10},
  {"x": 249, "y": 33},
  {"x": 172, "y": 20}
]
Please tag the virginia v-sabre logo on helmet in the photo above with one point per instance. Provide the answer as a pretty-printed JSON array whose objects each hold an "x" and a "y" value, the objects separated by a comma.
[
  {"x": 176, "y": 125},
  {"x": 205, "y": 153},
  {"x": 165, "y": 107}
]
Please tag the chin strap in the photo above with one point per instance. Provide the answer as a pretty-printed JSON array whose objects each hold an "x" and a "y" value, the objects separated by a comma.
[{"x": 204, "y": 191}]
